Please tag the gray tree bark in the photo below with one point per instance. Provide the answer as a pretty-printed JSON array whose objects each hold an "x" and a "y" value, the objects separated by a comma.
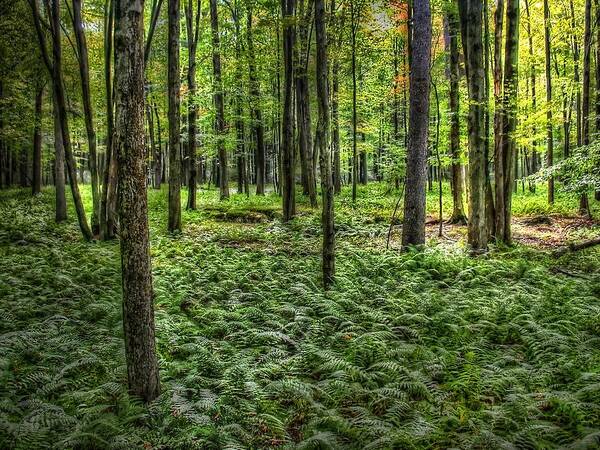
[{"x": 174, "y": 88}]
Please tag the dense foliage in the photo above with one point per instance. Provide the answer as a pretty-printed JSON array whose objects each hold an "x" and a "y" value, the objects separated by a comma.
[{"x": 415, "y": 350}]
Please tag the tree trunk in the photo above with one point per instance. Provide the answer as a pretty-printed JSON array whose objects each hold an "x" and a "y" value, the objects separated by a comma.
[
  {"x": 36, "y": 182},
  {"x": 57, "y": 80},
  {"x": 174, "y": 88},
  {"x": 471, "y": 16},
  {"x": 256, "y": 112},
  {"x": 218, "y": 99},
  {"x": 107, "y": 201},
  {"x": 59, "y": 167},
  {"x": 287, "y": 144},
  {"x": 550, "y": 134},
  {"x": 303, "y": 116},
  {"x": 84, "y": 72},
  {"x": 138, "y": 307},
  {"x": 193, "y": 28},
  {"x": 584, "y": 207},
  {"x": 327, "y": 218},
  {"x": 335, "y": 115},
  {"x": 355, "y": 20},
  {"x": 413, "y": 230},
  {"x": 458, "y": 211}
]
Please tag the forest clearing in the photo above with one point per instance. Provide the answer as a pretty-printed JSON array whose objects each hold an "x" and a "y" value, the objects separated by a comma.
[{"x": 299, "y": 224}]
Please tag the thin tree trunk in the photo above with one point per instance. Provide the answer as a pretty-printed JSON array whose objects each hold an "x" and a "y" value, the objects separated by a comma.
[
  {"x": 108, "y": 195},
  {"x": 158, "y": 155},
  {"x": 138, "y": 307},
  {"x": 597, "y": 5},
  {"x": 36, "y": 182},
  {"x": 413, "y": 230},
  {"x": 471, "y": 17},
  {"x": 84, "y": 72},
  {"x": 584, "y": 207},
  {"x": 354, "y": 22},
  {"x": 287, "y": 144},
  {"x": 59, "y": 167},
  {"x": 335, "y": 115},
  {"x": 174, "y": 88},
  {"x": 498, "y": 119},
  {"x": 458, "y": 211},
  {"x": 327, "y": 218},
  {"x": 550, "y": 134},
  {"x": 532, "y": 80},
  {"x": 219, "y": 103},
  {"x": 256, "y": 113},
  {"x": 193, "y": 28}
]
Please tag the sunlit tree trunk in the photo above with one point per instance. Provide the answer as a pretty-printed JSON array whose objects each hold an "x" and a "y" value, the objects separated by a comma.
[
  {"x": 192, "y": 21},
  {"x": 550, "y": 133},
  {"x": 584, "y": 207},
  {"x": 413, "y": 230},
  {"x": 471, "y": 18}
]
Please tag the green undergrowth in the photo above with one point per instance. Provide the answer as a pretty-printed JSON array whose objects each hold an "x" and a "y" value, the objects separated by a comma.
[{"x": 420, "y": 350}]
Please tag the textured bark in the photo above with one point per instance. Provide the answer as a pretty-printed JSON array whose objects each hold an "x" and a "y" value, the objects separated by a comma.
[
  {"x": 335, "y": 115},
  {"x": 597, "y": 6},
  {"x": 174, "y": 88},
  {"x": 288, "y": 167},
  {"x": 158, "y": 154},
  {"x": 192, "y": 21},
  {"x": 413, "y": 230},
  {"x": 219, "y": 102},
  {"x": 84, "y": 72},
  {"x": 498, "y": 114},
  {"x": 550, "y": 134},
  {"x": 327, "y": 217},
  {"x": 256, "y": 112},
  {"x": 458, "y": 211},
  {"x": 471, "y": 15},
  {"x": 354, "y": 22},
  {"x": 532, "y": 81},
  {"x": 36, "y": 179},
  {"x": 138, "y": 308}
]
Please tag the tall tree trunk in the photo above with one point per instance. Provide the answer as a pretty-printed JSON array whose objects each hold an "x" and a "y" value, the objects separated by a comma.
[
  {"x": 354, "y": 23},
  {"x": 193, "y": 28},
  {"x": 174, "y": 88},
  {"x": 108, "y": 195},
  {"x": 59, "y": 167},
  {"x": 158, "y": 155},
  {"x": 327, "y": 218},
  {"x": 413, "y": 230},
  {"x": 489, "y": 190},
  {"x": 505, "y": 155},
  {"x": 550, "y": 134},
  {"x": 458, "y": 211},
  {"x": 584, "y": 207},
  {"x": 532, "y": 80},
  {"x": 597, "y": 5},
  {"x": 335, "y": 114},
  {"x": 498, "y": 116},
  {"x": 287, "y": 144},
  {"x": 256, "y": 113},
  {"x": 55, "y": 70},
  {"x": 138, "y": 307},
  {"x": 36, "y": 182},
  {"x": 219, "y": 102},
  {"x": 471, "y": 17},
  {"x": 303, "y": 116},
  {"x": 84, "y": 72}
]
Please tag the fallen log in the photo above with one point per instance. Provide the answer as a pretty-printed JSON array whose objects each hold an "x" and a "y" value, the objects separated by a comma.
[{"x": 576, "y": 247}]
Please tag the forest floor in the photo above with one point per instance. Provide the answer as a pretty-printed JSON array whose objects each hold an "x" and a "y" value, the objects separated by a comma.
[{"x": 431, "y": 349}]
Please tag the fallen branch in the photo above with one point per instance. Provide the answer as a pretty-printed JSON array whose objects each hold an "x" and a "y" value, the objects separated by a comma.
[{"x": 576, "y": 247}]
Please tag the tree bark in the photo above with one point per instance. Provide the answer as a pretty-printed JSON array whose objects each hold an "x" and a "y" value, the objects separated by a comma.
[
  {"x": 36, "y": 182},
  {"x": 354, "y": 23},
  {"x": 471, "y": 16},
  {"x": 174, "y": 88},
  {"x": 59, "y": 167},
  {"x": 219, "y": 102},
  {"x": 138, "y": 308},
  {"x": 584, "y": 207},
  {"x": 327, "y": 217},
  {"x": 287, "y": 147},
  {"x": 84, "y": 72},
  {"x": 335, "y": 115},
  {"x": 549, "y": 128},
  {"x": 193, "y": 29},
  {"x": 413, "y": 230},
  {"x": 458, "y": 211},
  {"x": 256, "y": 113}
]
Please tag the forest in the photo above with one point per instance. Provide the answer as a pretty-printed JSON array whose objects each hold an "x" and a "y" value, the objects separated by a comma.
[{"x": 299, "y": 224}]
